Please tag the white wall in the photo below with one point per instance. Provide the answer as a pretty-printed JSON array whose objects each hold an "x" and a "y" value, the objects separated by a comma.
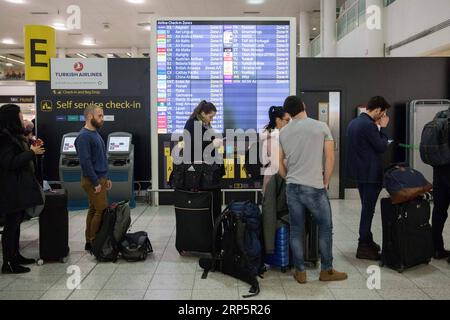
[
  {"x": 17, "y": 88},
  {"x": 353, "y": 44},
  {"x": 405, "y": 18},
  {"x": 401, "y": 20}
]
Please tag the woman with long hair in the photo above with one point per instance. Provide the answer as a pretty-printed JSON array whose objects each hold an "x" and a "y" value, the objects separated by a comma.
[
  {"x": 203, "y": 116},
  {"x": 278, "y": 118},
  {"x": 19, "y": 188}
]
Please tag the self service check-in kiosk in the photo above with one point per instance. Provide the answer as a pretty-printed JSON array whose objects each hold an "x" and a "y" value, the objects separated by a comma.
[
  {"x": 121, "y": 167},
  {"x": 70, "y": 173}
]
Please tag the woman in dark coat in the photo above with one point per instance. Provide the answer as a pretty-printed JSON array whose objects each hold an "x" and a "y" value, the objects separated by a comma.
[{"x": 19, "y": 187}]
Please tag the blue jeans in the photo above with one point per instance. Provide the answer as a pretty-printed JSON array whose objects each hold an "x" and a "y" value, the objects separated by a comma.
[
  {"x": 368, "y": 193},
  {"x": 301, "y": 200}
]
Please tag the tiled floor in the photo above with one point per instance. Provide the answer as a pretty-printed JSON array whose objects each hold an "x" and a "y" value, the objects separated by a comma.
[{"x": 166, "y": 275}]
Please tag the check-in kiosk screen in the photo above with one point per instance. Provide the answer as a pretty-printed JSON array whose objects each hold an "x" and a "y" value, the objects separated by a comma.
[
  {"x": 243, "y": 67},
  {"x": 119, "y": 144},
  {"x": 69, "y": 145}
]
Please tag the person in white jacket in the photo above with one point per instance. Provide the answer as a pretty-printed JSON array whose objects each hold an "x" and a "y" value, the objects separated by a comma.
[{"x": 278, "y": 118}]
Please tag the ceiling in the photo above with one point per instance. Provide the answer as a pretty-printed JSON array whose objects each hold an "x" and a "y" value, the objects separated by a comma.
[{"x": 123, "y": 17}]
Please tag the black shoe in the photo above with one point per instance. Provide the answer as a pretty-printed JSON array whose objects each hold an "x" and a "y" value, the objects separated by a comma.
[
  {"x": 25, "y": 261},
  {"x": 375, "y": 246},
  {"x": 14, "y": 268},
  {"x": 441, "y": 254},
  {"x": 88, "y": 247},
  {"x": 367, "y": 252}
]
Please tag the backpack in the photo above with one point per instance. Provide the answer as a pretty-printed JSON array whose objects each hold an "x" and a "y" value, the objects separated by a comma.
[
  {"x": 198, "y": 176},
  {"x": 115, "y": 223},
  {"x": 240, "y": 253},
  {"x": 434, "y": 144},
  {"x": 405, "y": 184},
  {"x": 135, "y": 246}
]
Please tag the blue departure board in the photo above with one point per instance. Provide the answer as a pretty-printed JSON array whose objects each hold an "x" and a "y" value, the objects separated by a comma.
[{"x": 243, "y": 67}]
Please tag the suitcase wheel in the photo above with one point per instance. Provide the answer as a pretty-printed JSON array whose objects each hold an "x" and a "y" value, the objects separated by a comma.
[
  {"x": 40, "y": 262},
  {"x": 401, "y": 269},
  {"x": 283, "y": 269},
  {"x": 63, "y": 260},
  {"x": 183, "y": 253}
]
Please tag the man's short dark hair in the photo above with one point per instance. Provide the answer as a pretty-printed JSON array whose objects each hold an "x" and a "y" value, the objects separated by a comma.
[
  {"x": 293, "y": 105},
  {"x": 378, "y": 102}
]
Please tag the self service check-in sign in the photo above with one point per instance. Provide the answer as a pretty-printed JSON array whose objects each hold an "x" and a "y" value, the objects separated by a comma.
[{"x": 75, "y": 73}]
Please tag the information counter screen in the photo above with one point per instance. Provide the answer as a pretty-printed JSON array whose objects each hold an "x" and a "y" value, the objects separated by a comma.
[
  {"x": 119, "y": 144},
  {"x": 68, "y": 146}
]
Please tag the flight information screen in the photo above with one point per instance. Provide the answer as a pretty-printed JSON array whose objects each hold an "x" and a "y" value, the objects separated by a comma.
[{"x": 243, "y": 67}]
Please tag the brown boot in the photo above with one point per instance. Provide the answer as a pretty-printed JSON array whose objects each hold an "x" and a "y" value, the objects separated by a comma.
[
  {"x": 332, "y": 275},
  {"x": 300, "y": 276}
]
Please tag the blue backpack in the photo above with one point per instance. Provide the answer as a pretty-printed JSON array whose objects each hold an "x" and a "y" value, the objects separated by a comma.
[
  {"x": 238, "y": 233},
  {"x": 404, "y": 183}
]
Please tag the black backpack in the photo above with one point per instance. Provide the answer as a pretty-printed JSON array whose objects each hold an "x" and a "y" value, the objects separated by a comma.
[
  {"x": 135, "y": 246},
  {"x": 115, "y": 223},
  {"x": 195, "y": 177},
  {"x": 238, "y": 233},
  {"x": 434, "y": 145}
]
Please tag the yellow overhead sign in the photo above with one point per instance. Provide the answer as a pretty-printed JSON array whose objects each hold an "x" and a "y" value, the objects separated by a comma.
[{"x": 39, "y": 47}]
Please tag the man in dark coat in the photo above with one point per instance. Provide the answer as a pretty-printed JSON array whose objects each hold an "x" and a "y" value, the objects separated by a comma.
[{"x": 367, "y": 141}]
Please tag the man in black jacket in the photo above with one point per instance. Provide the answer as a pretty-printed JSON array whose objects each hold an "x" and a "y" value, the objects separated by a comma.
[
  {"x": 366, "y": 143},
  {"x": 441, "y": 193}
]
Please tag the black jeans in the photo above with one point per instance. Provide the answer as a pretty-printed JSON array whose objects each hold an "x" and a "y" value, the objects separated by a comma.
[
  {"x": 368, "y": 193},
  {"x": 11, "y": 235},
  {"x": 441, "y": 195}
]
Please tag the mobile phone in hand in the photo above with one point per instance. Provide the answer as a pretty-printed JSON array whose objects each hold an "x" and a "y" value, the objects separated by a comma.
[{"x": 38, "y": 143}]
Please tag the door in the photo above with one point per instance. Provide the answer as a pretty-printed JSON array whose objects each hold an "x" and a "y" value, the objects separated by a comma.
[{"x": 325, "y": 106}]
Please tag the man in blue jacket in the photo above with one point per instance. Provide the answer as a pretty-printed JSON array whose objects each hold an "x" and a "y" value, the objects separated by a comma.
[
  {"x": 367, "y": 141},
  {"x": 94, "y": 167}
]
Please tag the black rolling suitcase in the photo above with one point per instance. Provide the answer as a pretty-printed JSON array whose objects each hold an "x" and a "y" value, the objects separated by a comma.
[
  {"x": 407, "y": 237},
  {"x": 195, "y": 217},
  {"x": 54, "y": 227},
  {"x": 311, "y": 242}
]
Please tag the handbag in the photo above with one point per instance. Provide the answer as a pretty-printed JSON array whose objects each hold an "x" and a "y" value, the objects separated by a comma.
[{"x": 35, "y": 211}]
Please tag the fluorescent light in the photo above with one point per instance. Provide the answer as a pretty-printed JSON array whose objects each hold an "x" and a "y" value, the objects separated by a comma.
[
  {"x": 88, "y": 42},
  {"x": 129, "y": 54},
  {"x": 314, "y": 29},
  {"x": 136, "y": 1},
  {"x": 8, "y": 41},
  {"x": 8, "y": 64},
  {"x": 81, "y": 55},
  {"x": 11, "y": 59},
  {"x": 148, "y": 28},
  {"x": 110, "y": 55},
  {"x": 59, "y": 26},
  {"x": 255, "y": 1},
  {"x": 16, "y": 1}
]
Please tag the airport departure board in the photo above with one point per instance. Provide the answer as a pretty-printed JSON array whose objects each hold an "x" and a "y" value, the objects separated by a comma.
[{"x": 243, "y": 67}]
